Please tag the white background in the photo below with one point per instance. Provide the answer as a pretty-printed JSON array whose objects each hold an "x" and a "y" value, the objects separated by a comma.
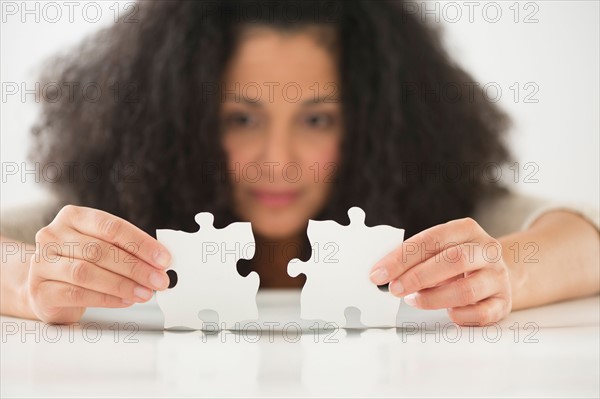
[{"x": 557, "y": 137}]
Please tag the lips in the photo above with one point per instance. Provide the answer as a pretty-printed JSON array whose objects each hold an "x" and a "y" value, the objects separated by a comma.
[{"x": 275, "y": 199}]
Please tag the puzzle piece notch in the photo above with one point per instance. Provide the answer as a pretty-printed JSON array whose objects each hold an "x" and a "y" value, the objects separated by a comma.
[
  {"x": 207, "y": 277},
  {"x": 357, "y": 216},
  {"x": 205, "y": 219},
  {"x": 335, "y": 284}
]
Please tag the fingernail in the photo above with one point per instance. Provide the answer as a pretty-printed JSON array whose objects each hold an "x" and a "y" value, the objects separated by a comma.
[
  {"x": 396, "y": 287},
  {"x": 142, "y": 292},
  {"x": 163, "y": 258},
  {"x": 126, "y": 301},
  {"x": 159, "y": 280},
  {"x": 379, "y": 275},
  {"x": 411, "y": 299}
]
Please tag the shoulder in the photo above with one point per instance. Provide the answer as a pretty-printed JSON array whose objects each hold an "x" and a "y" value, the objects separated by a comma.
[{"x": 512, "y": 211}]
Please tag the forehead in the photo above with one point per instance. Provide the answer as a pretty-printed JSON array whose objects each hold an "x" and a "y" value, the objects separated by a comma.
[{"x": 265, "y": 55}]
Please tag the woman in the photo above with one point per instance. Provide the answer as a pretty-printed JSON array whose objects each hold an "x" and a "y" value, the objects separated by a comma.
[{"x": 274, "y": 113}]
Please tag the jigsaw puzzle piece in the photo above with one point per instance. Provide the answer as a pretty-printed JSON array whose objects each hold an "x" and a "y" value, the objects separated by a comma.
[
  {"x": 311, "y": 298},
  {"x": 207, "y": 278},
  {"x": 237, "y": 301},
  {"x": 338, "y": 271}
]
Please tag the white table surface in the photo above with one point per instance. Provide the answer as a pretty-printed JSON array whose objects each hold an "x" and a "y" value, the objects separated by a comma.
[{"x": 547, "y": 351}]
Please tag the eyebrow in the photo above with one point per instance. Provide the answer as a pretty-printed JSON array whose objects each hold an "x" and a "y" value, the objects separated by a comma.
[
  {"x": 313, "y": 101},
  {"x": 324, "y": 99}
]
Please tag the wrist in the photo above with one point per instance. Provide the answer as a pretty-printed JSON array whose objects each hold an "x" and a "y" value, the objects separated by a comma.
[
  {"x": 518, "y": 275},
  {"x": 14, "y": 281},
  {"x": 24, "y": 309}
]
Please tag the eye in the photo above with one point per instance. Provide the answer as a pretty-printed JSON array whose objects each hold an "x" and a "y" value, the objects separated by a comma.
[
  {"x": 318, "y": 121},
  {"x": 240, "y": 120}
]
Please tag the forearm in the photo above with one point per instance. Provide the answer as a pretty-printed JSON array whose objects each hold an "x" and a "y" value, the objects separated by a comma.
[
  {"x": 14, "y": 272},
  {"x": 557, "y": 258}
]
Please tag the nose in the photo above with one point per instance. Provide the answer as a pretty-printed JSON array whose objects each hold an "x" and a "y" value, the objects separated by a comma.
[{"x": 277, "y": 154}]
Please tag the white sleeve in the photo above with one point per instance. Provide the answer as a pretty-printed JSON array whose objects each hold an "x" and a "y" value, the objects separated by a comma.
[
  {"x": 513, "y": 211},
  {"x": 21, "y": 222}
]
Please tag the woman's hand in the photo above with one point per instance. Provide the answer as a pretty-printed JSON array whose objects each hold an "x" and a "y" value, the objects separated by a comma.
[
  {"x": 90, "y": 258},
  {"x": 456, "y": 266}
]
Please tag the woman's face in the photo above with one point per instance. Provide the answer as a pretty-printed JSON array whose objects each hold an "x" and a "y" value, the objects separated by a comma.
[{"x": 282, "y": 126}]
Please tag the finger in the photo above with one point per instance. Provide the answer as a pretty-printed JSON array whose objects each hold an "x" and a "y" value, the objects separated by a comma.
[
  {"x": 60, "y": 294},
  {"x": 87, "y": 275},
  {"x": 109, "y": 257},
  {"x": 488, "y": 311},
  {"x": 121, "y": 233},
  {"x": 462, "y": 292},
  {"x": 423, "y": 246},
  {"x": 450, "y": 280},
  {"x": 452, "y": 262}
]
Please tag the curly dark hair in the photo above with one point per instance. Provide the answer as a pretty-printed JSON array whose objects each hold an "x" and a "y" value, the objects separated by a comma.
[{"x": 412, "y": 154}]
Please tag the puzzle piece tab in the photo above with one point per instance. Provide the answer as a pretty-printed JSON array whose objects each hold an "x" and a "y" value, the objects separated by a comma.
[
  {"x": 207, "y": 277},
  {"x": 338, "y": 271}
]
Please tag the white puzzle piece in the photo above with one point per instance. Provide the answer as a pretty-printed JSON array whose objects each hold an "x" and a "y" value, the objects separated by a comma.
[
  {"x": 207, "y": 277},
  {"x": 337, "y": 274}
]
